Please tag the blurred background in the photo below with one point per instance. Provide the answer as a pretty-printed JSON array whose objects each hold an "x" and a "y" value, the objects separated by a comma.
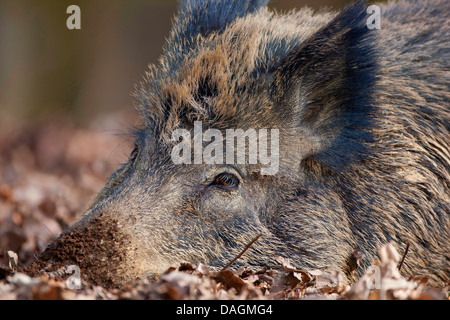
[
  {"x": 48, "y": 70},
  {"x": 65, "y": 104}
]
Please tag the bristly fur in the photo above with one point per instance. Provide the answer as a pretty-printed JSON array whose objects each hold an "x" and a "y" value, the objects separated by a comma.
[{"x": 203, "y": 76}]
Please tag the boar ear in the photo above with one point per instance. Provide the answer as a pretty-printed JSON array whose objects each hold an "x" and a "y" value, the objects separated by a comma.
[
  {"x": 203, "y": 17},
  {"x": 325, "y": 86},
  {"x": 206, "y": 16}
]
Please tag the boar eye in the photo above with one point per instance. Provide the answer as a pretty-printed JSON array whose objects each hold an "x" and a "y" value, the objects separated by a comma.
[
  {"x": 134, "y": 153},
  {"x": 226, "y": 180}
]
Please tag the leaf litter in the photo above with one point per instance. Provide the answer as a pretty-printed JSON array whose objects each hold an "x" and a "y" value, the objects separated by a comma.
[{"x": 50, "y": 172}]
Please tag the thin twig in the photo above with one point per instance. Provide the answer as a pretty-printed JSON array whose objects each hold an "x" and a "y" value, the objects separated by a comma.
[
  {"x": 404, "y": 256},
  {"x": 242, "y": 252}
]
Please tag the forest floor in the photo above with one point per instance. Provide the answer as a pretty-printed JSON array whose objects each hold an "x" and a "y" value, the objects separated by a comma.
[{"x": 51, "y": 170}]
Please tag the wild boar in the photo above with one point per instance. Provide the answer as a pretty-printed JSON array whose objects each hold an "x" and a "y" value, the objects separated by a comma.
[{"x": 354, "y": 120}]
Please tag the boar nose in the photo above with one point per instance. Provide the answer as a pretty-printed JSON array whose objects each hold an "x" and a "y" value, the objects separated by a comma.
[{"x": 96, "y": 245}]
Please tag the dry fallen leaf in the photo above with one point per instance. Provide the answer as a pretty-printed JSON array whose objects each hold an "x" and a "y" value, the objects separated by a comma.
[
  {"x": 13, "y": 260},
  {"x": 383, "y": 281}
]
